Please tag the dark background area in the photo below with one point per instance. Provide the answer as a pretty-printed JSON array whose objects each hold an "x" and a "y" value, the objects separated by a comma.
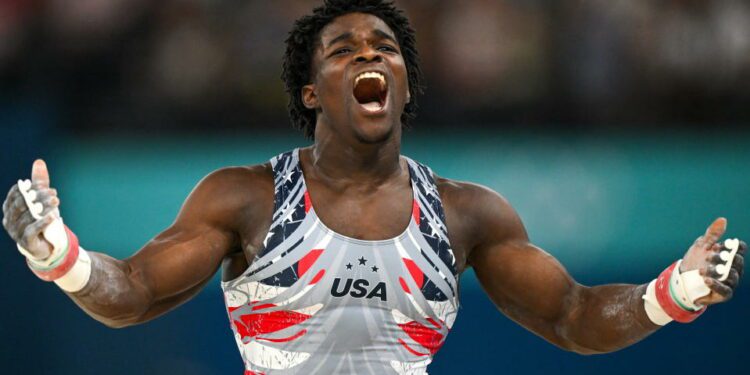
[{"x": 617, "y": 129}]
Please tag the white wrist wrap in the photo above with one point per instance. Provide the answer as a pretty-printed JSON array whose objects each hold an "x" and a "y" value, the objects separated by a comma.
[
  {"x": 79, "y": 275},
  {"x": 653, "y": 310}
]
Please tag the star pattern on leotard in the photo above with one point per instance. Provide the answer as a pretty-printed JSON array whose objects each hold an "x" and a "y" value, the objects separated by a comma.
[
  {"x": 362, "y": 261},
  {"x": 375, "y": 268},
  {"x": 268, "y": 237},
  {"x": 349, "y": 266}
]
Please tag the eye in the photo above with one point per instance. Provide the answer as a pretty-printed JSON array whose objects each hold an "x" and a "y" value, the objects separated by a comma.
[
  {"x": 342, "y": 51},
  {"x": 387, "y": 48}
]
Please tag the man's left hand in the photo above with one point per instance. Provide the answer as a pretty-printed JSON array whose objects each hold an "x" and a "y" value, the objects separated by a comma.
[{"x": 704, "y": 256}]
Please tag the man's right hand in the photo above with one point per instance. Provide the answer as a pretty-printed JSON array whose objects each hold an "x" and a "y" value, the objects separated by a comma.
[{"x": 19, "y": 222}]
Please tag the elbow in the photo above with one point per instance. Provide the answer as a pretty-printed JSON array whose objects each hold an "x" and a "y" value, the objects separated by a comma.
[
  {"x": 572, "y": 334},
  {"x": 121, "y": 321},
  {"x": 114, "y": 324},
  {"x": 117, "y": 324},
  {"x": 578, "y": 348},
  {"x": 584, "y": 351},
  {"x": 569, "y": 338}
]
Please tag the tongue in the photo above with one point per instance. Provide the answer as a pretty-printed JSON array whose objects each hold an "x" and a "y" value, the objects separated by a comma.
[
  {"x": 372, "y": 106},
  {"x": 370, "y": 94}
]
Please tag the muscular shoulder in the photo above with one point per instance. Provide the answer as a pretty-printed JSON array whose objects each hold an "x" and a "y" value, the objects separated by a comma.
[
  {"x": 477, "y": 216},
  {"x": 231, "y": 195}
]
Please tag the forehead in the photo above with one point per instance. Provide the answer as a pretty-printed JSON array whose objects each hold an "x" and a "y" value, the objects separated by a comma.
[{"x": 361, "y": 24}]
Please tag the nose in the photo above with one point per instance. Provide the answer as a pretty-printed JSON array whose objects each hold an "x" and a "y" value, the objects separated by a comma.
[{"x": 368, "y": 54}]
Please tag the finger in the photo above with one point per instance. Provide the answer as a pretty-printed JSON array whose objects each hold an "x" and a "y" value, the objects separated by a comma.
[
  {"x": 717, "y": 247},
  {"x": 50, "y": 203},
  {"x": 710, "y": 271},
  {"x": 715, "y": 231},
  {"x": 13, "y": 193},
  {"x": 739, "y": 264},
  {"x": 39, "y": 173},
  {"x": 718, "y": 287},
  {"x": 35, "y": 229},
  {"x": 714, "y": 258},
  {"x": 17, "y": 228},
  {"x": 17, "y": 208},
  {"x": 20, "y": 208},
  {"x": 733, "y": 279},
  {"x": 739, "y": 261}
]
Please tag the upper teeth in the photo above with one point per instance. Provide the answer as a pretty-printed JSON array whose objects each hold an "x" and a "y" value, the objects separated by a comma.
[{"x": 370, "y": 75}]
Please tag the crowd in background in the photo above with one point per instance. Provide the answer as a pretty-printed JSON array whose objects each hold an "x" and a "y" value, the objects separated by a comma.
[{"x": 135, "y": 65}]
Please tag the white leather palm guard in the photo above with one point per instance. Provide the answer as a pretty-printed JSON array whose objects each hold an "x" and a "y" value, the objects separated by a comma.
[
  {"x": 53, "y": 233},
  {"x": 69, "y": 273},
  {"x": 683, "y": 289},
  {"x": 688, "y": 287}
]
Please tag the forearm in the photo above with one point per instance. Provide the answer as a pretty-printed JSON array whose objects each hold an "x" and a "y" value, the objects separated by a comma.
[
  {"x": 115, "y": 294},
  {"x": 603, "y": 319}
]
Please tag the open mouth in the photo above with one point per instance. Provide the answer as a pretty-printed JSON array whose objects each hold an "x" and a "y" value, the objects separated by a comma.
[{"x": 371, "y": 91}]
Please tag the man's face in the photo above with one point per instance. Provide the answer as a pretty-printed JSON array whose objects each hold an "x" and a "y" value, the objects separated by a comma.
[{"x": 359, "y": 85}]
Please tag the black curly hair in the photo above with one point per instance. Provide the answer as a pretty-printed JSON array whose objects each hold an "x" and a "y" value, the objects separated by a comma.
[{"x": 304, "y": 38}]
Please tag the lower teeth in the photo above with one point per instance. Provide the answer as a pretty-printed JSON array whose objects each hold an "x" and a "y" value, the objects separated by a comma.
[{"x": 372, "y": 106}]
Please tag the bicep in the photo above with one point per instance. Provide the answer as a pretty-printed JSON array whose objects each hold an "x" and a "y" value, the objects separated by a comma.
[
  {"x": 186, "y": 255},
  {"x": 525, "y": 283}
]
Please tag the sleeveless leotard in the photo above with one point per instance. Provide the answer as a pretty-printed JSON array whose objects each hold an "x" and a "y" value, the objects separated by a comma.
[{"x": 314, "y": 301}]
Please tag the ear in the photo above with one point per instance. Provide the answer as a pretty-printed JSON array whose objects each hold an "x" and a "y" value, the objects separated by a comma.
[{"x": 309, "y": 97}]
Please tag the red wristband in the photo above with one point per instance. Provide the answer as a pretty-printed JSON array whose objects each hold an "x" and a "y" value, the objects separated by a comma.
[
  {"x": 67, "y": 263},
  {"x": 668, "y": 304}
]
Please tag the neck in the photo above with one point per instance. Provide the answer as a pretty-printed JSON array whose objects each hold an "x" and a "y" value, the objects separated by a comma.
[{"x": 343, "y": 161}]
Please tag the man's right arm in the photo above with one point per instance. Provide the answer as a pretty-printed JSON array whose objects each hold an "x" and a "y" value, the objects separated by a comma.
[{"x": 176, "y": 264}]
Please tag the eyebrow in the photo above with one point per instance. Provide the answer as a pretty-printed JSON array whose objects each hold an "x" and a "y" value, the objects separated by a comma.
[
  {"x": 384, "y": 35},
  {"x": 339, "y": 38},
  {"x": 380, "y": 33}
]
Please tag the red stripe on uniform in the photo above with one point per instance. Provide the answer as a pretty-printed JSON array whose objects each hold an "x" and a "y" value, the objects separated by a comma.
[
  {"x": 415, "y": 212},
  {"x": 415, "y": 272},
  {"x": 425, "y": 336},
  {"x": 308, "y": 202},
  {"x": 403, "y": 285},
  {"x": 318, "y": 277},
  {"x": 307, "y": 261},
  {"x": 252, "y": 325},
  {"x": 436, "y": 324},
  {"x": 412, "y": 351},
  {"x": 285, "y": 339}
]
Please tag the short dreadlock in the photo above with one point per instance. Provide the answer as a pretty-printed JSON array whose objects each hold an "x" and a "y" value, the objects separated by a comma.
[{"x": 303, "y": 39}]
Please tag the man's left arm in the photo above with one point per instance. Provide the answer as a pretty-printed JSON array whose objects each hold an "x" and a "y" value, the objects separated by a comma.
[{"x": 532, "y": 288}]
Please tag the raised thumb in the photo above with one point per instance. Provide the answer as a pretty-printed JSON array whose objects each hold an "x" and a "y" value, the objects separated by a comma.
[{"x": 39, "y": 173}]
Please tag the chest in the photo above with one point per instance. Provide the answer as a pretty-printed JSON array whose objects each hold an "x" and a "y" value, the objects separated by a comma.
[{"x": 374, "y": 214}]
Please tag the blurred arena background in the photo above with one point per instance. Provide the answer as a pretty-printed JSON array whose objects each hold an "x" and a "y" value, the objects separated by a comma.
[{"x": 618, "y": 129}]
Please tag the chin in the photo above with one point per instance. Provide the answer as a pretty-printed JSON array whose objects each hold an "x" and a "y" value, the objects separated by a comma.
[{"x": 371, "y": 132}]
